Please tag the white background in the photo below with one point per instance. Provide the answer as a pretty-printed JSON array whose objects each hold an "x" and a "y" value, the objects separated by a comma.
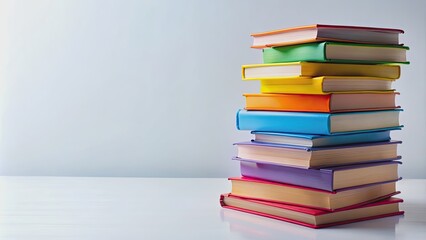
[{"x": 150, "y": 88}]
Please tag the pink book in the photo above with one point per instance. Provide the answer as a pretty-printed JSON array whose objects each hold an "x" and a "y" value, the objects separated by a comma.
[{"x": 309, "y": 217}]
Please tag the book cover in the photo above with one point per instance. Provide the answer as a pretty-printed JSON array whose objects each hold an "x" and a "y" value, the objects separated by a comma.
[
  {"x": 317, "y": 52},
  {"x": 313, "y": 149},
  {"x": 317, "y": 85},
  {"x": 348, "y": 102},
  {"x": 298, "y": 122},
  {"x": 316, "y": 69},
  {"x": 375, "y": 192},
  {"x": 349, "y": 218},
  {"x": 331, "y": 140},
  {"x": 318, "y": 157},
  {"x": 325, "y": 32},
  {"x": 313, "y": 178}
]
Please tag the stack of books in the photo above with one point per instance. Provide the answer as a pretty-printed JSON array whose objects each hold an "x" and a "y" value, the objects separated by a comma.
[{"x": 321, "y": 154}]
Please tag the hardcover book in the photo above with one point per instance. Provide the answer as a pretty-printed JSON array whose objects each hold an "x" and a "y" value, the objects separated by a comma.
[
  {"x": 317, "y": 123},
  {"x": 315, "y": 69},
  {"x": 337, "y": 52},
  {"x": 308, "y": 157},
  {"x": 322, "y": 32},
  {"x": 335, "y": 102},
  {"x": 327, "y": 85},
  {"x": 312, "y": 218},
  {"x": 310, "y": 197},
  {"x": 309, "y": 140},
  {"x": 329, "y": 179}
]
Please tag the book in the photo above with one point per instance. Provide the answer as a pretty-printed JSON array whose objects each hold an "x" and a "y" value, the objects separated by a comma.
[
  {"x": 316, "y": 69},
  {"x": 327, "y": 85},
  {"x": 317, "y": 123},
  {"x": 329, "y": 103},
  {"x": 312, "y": 218},
  {"x": 309, "y": 140},
  {"x": 337, "y": 52},
  {"x": 317, "y": 157},
  {"x": 250, "y": 225},
  {"x": 310, "y": 197},
  {"x": 323, "y": 32},
  {"x": 328, "y": 178}
]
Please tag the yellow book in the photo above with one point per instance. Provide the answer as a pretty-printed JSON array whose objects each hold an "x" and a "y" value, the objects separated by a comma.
[
  {"x": 326, "y": 85},
  {"x": 315, "y": 69}
]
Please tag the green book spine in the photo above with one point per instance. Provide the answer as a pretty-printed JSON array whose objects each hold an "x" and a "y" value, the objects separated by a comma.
[
  {"x": 315, "y": 52},
  {"x": 295, "y": 53}
]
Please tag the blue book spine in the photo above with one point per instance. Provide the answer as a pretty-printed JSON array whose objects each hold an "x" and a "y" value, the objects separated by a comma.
[{"x": 290, "y": 122}]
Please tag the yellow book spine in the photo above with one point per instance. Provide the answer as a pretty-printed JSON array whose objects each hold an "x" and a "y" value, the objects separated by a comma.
[
  {"x": 306, "y": 85},
  {"x": 293, "y": 85}
]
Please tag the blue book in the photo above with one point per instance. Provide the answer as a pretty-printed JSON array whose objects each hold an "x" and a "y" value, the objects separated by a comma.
[
  {"x": 310, "y": 140},
  {"x": 317, "y": 123}
]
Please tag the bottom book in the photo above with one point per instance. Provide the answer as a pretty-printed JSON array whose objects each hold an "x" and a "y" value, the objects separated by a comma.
[{"x": 309, "y": 217}]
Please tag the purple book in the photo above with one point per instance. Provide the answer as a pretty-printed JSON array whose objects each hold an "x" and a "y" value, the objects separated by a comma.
[{"x": 329, "y": 179}]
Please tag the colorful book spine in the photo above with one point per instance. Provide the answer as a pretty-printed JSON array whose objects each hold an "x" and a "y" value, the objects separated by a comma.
[
  {"x": 313, "y": 178},
  {"x": 315, "y": 85},
  {"x": 319, "y": 103},
  {"x": 317, "y": 52},
  {"x": 298, "y": 122}
]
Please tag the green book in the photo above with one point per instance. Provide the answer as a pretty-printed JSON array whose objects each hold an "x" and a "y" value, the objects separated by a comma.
[{"x": 337, "y": 52}]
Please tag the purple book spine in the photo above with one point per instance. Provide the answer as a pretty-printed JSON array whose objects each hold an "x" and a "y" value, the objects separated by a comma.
[{"x": 320, "y": 179}]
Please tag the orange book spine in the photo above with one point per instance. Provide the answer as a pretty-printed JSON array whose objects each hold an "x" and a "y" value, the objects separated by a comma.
[{"x": 288, "y": 102}]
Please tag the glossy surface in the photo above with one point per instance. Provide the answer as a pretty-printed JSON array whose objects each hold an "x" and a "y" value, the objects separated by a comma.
[{"x": 181, "y": 208}]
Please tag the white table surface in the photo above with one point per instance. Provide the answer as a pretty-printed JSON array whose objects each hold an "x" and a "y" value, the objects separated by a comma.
[{"x": 180, "y": 208}]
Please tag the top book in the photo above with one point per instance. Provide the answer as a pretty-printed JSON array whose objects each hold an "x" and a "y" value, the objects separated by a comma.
[{"x": 321, "y": 32}]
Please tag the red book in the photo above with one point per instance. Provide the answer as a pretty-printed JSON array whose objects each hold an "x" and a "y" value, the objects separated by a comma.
[{"x": 313, "y": 218}]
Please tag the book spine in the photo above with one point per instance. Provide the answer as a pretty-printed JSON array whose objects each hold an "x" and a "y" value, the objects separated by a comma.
[
  {"x": 290, "y": 122},
  {"x": 293, "y": 86},
  {"x": 288, "y": 102},
  {"x": 295, "y": 53},
  {"x": 222, "y": 200},
  {"x": 313, "y": 178}
]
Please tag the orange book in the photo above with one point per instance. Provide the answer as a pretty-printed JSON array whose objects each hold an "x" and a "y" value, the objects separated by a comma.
[{"x": 334, "y": 102}]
